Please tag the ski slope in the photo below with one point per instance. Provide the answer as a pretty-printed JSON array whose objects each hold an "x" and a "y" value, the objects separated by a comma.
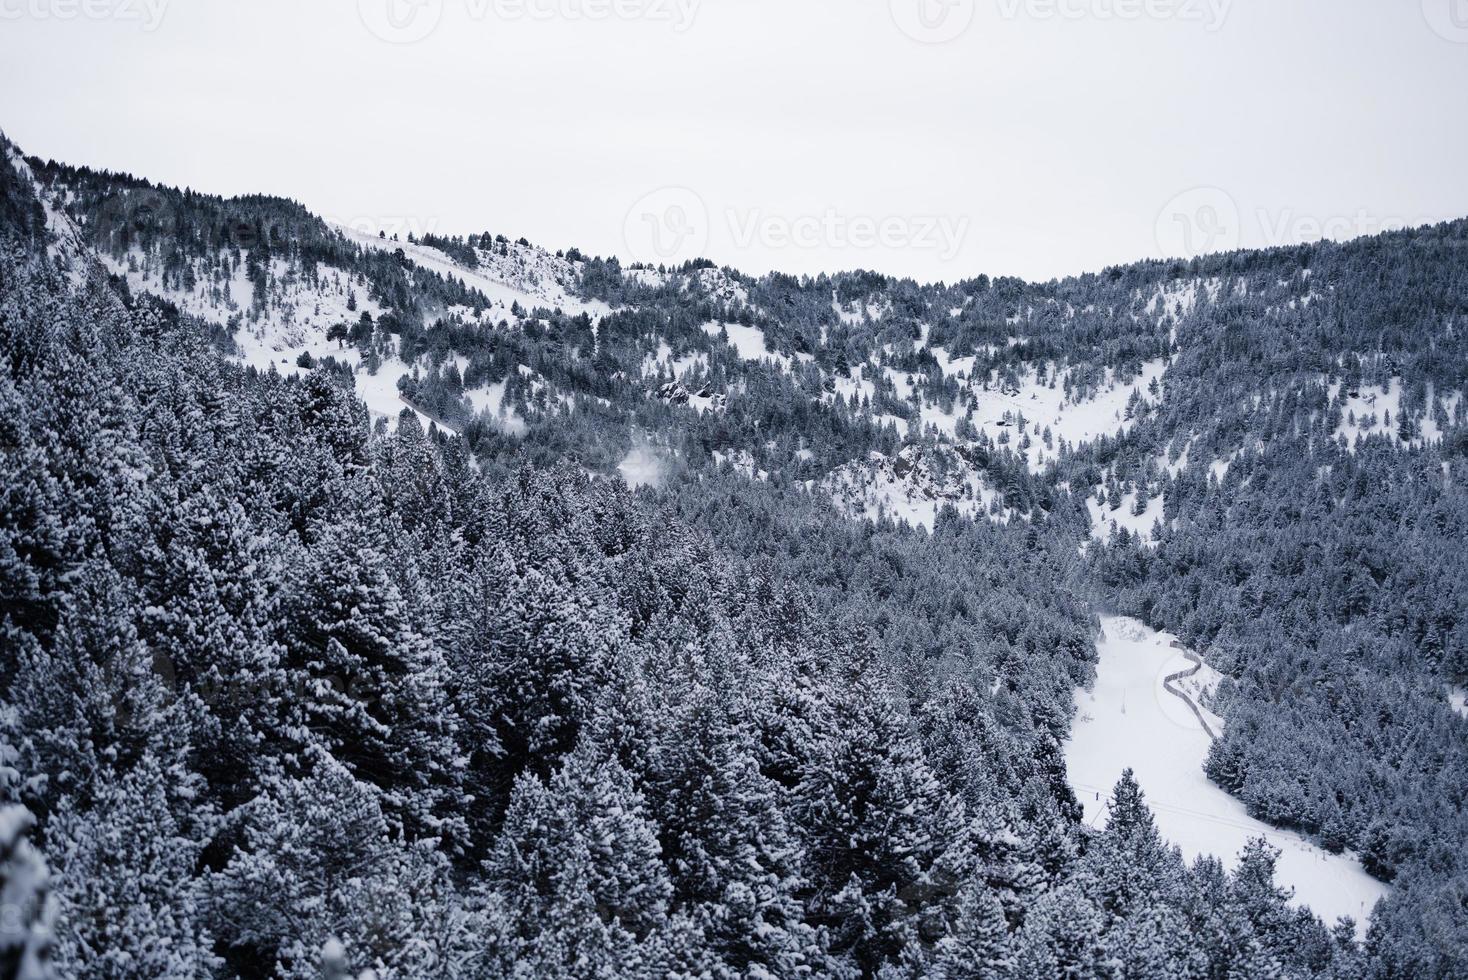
[{"x": 1129, "y": 721}]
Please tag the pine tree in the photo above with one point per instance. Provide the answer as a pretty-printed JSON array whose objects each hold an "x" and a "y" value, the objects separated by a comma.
[
  {"x": 208, "y": 587},
  {"x": 979, "y": 946},
  {"x": 547, "y": 647},
  {"x": 735, "y": 865},
  {"x": 1156, "y": 942},
  {"x": 130, "y": 901},
  {"x": 1129, "y": 865},
  {"x": 372, "y": 688},
  {"x": 36, "y": 545},
  {"x": 315, "y": 862},
  {"x": 1256, "y": 963},
  {"x": 93, "y": 706},
  {"x": 885, "y": 840},
  {"x": 590, "y": 819},
  {"x": 1062, "y": 937},
  {"x": 564, "y": 901}
]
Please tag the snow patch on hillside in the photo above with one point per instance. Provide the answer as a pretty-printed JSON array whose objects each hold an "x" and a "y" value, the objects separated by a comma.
[
  {"x": 911, "y": 486},
  {"x": 1367, "y": 411},
  {"x": 858, "y": 312},
  {"x": 1105, "y": 521},
  {"x": 488, "y": 401},
  {"x": 1128, "y": 720},
  {"x": 1374, "y": 410},
  {"x": 953, "y": 367},
  {"x": 749, "y": 342},
  {"x": 677, "y": 368},
  {"x": 380, "y": 392},
  {"x": 854, "y": 388},
  {"x": 1432, "y": 433},
  {"x": 527, "y": 275},
  {"x": 720, "y": 285},
  {"x": 293, "y": 314},
  {"x": 741, "y": 461},
  {"x": 290, "y": 320},
  {"x": 1102, "y": 412}
]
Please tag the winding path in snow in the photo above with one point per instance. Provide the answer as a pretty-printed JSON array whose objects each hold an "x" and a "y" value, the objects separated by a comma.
[{"x": 1170, "y": 680}]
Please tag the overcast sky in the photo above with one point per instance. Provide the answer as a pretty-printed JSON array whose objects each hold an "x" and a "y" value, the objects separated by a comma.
[{"x": 931, "y": 138}]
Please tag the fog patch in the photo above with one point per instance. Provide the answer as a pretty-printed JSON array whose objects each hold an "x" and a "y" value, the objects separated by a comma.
[{"x": 642, "y": 467}]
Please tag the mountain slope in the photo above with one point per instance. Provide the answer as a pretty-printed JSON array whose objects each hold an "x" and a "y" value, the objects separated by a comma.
[{"x": 718, "y": 727}]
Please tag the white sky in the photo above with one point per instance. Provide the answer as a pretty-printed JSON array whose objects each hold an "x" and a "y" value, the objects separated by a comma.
[{"x": 1048, "y": 137}]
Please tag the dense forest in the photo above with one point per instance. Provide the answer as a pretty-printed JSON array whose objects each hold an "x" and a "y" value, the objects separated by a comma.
[{"x": 293, "y": 689}]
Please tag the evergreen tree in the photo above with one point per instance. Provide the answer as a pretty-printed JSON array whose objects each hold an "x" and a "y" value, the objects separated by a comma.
[
  {"x": 373, "y": 688},
  {"x": 130, "y": 902},
  {"x": 887, "y": 844},
  {"x": 979, "y": 946}
]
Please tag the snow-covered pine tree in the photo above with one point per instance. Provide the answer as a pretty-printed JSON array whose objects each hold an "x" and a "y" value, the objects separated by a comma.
[
  {"x": 888, "y": 845},
  {"x": 371, "y": 688},
  {"x": 978, "y": 948},
  {"x": 130, "y": 902}
]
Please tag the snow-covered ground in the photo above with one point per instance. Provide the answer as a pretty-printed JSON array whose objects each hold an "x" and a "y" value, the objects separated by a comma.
[
  {"x": 1104, "y": 520},
  {"x": 528, "y": 275},
  {"x": 1458, "y": 698},
  {"x": 750, "y": 343},
  {"x": 741, "y": 461},
  {"x": 1371, "y": 410},
  {"x": 1042, "y": 405},
  {"x": 911, "y": 486},
  {"x": 1130, "y": 721}
]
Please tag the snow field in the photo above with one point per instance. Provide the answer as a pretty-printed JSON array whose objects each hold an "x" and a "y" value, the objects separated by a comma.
[{"x": 1128, "y": 720}]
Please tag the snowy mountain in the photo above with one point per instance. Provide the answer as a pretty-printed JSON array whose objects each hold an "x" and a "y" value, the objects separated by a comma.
[{"x": 453, "y": 606}]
